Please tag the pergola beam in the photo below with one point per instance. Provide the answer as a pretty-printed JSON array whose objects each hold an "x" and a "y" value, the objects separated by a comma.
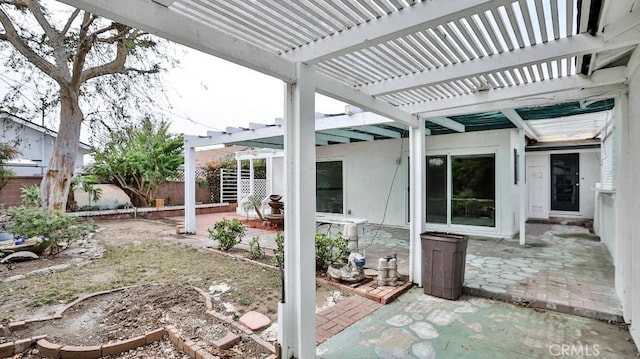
[
  {"x": 165, "y": 3},
  {"x": 334, "y": 89},
  {"x": 380, "y": 131},
  {"x": 485, "y": 101},
  {"x": 520, "y": 123},
  {"x": 448, "y": 123},
  {"x": 259, "y": 144},
  {"x": 420, "y": 17},
  {"x": 332, "y": 138},
  {"x": 349, "y": 134},
  {"x": 571, "y": 46}
]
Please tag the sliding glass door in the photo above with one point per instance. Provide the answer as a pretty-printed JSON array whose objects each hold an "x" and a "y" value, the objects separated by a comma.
[{"x": 461, "y": 189}]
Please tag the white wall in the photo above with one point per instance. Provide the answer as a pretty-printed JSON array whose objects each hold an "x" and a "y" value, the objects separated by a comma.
[
  {"x": 368, "y": 171},
  {"x": 500, "y": 142},
  {"x": 632, "y": 196},
  {"x": 369, "y": 167},
  {"x": 277, "y": 184},
  {"x": 32, "y": 146},
  {"x": 589, "y": 176}
]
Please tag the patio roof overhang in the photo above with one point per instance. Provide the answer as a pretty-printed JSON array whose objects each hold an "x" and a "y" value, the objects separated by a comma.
[{"x": 412, "y": 59}]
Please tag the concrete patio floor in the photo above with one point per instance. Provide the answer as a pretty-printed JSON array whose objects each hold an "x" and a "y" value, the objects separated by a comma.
[
  {"x": 421, "y": 326},
  {"x": 562, "y": 268}
]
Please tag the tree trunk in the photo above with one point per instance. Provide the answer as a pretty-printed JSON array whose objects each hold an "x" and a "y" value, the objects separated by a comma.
[{"x": 54, "y": 188}]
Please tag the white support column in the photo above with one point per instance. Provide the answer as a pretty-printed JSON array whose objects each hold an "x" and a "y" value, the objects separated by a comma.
[
  {"x": 269, "y": 175},
  {"x": 239, "y": 180},
  {"x": 299, "y": 329},
  {"x": 417, "y": 200},
  {"x": 522, "y": 183},
  {"x": 624, "y": 206},
  {"x": 251, "y": 181},
  {"x": 190, "y": 190}
]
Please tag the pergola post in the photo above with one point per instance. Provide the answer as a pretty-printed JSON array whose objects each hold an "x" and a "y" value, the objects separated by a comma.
[
  {"x": 189, "y": 189},
  {"x": 417, "y": 199},
  {"x": 251, "y": 184},
  {"x": 297, "y": 316},
  {"x": 624, "y": 205},
  {"x": 522, "y": 183},
  {"x": 238, "y": 182}
]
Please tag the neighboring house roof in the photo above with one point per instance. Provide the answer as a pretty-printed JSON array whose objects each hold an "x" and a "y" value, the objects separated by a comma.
[
  {"x": 36, "y": 127},
  {"x": 215, "y": 154}
]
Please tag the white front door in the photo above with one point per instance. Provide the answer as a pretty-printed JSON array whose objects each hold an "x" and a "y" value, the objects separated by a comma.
[{"x": 538, "y": 198}]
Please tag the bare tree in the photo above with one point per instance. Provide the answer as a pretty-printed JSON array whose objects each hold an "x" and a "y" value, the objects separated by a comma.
[{"x": 75, "y": 60}]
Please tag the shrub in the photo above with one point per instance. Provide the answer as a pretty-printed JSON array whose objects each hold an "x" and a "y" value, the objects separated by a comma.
[
  {"x": 255, "y": 250},
  {"x": 227, "y": 232},
  {"x": 30, "y": 196},
  {"x": 253, "y": 202},
  {"x": 278, "y": 258},
  {"x": 55, "y": 230},
  {"x": 329, "y": 250}
]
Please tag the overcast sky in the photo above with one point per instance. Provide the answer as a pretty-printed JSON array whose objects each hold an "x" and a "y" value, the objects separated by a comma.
[{"x": 209, "y": 94}]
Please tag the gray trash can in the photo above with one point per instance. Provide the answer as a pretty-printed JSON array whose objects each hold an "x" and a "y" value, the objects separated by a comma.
[{"x": 443, "y": 262}]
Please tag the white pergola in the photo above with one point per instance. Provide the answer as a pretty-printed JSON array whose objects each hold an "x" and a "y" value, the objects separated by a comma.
[{"x": 409, "y": 61}]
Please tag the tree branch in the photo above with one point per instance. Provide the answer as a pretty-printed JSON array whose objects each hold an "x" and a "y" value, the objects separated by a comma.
[
  {"x": 113, "y": 67},
  {"x": 14, "y": 38},
  {"x": 36, "y": 10},
  {"x": 56, "y": 38},
  {"x": 67, "y": 26},
  {"x": 85, "y": 44}
]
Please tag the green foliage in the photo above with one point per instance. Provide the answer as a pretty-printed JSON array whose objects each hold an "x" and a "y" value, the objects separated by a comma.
[
  {"x": 30, "y": 196},
  {"x": 278, "y": 259},
  {"x": 85, "y": 182},
  {"x": 253, "y": 202},
  {"x": 139, "y": 158},
  {"x": 55, "y": 229},
  {"x": 227, "y": 232},
  {"x": 255, "y": 250},
  {"x": 329, "y": 250},
  {"x": 7, "y": 152}
]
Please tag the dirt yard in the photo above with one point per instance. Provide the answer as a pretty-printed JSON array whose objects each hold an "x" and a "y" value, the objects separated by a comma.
[{"x": 148, "y": 253}]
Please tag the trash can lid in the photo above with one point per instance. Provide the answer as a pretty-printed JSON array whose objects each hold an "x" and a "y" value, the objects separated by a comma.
[{"x": 444, "y": 236}]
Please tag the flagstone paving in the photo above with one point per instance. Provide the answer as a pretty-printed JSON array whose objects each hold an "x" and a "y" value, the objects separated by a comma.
[{"x": 421, "y": 326}]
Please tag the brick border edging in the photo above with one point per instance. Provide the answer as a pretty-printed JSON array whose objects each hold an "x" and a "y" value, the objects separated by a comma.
[
  {"x": 382, "y": 300},
  {"x": 541, "y": 304},
  {"x": 54, "y": 350},
  {"x": 9, "y": 349}
]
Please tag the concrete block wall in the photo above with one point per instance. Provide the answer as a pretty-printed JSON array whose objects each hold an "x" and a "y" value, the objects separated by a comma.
[
  {"x": 10, "y": 194},
  {"x": 172, "y": 192}
]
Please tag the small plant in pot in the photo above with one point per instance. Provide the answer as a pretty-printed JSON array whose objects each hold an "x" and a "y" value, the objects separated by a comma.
[{"x": 227, "y": 232}]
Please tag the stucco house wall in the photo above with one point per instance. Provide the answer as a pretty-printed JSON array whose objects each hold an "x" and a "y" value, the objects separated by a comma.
[
  {"x": 35, "y": 144},
  {"x": 369, "y": 169}
]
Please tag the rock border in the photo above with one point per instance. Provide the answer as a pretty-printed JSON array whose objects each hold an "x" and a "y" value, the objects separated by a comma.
[{"x": 60, "y": 351}]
